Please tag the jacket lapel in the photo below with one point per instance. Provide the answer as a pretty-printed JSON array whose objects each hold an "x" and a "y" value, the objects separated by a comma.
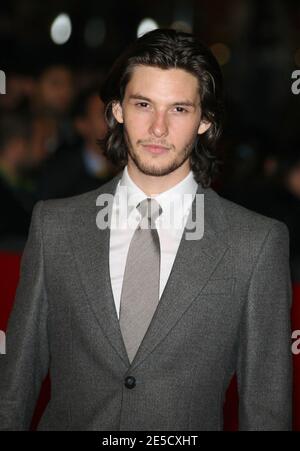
[
  {"x": 91, "y": 253},
  {"x": 194, "y": 264}
]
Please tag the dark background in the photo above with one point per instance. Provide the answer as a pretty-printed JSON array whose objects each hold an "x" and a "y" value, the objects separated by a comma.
[{"x": 257, "y": 44}]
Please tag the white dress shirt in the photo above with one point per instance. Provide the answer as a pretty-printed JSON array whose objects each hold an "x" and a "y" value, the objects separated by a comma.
[{"x": 175, "y": 203}]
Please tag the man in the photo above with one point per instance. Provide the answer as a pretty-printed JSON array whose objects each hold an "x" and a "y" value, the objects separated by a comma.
[
  {"x": 50, "y": 105},
  {"x": 83, "y": 167},
  {"x": 143, "y": 327}
]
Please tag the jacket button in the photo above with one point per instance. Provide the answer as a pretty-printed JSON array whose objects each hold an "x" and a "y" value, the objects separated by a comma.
[{"x": 130, "y": 382}]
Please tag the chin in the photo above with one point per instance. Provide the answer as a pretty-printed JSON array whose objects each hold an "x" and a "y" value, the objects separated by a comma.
[{"x": 157, "y": 170}]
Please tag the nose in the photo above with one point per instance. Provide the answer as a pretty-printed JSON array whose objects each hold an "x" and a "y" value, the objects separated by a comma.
[{"x": 159, "y": 125}]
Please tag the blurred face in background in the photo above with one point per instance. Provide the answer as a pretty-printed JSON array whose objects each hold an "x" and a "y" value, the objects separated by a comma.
[
  {"x": 19, "y": 89},
  {"x": 293, "y": 180},
  {"x": 15, "y": 134},
  {"x": 55, "y": 90},
  {"x": 92, "y": 126},
  {"x": 15, "y": 155}
]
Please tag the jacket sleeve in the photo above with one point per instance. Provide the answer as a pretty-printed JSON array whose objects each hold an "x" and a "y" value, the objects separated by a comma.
[
  {"x": 25, "y": 364},
  {"x": 264, "y": 369}
]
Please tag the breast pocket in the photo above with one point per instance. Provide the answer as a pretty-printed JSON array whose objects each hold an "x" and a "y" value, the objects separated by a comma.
[{"x": 219, "y": 286}]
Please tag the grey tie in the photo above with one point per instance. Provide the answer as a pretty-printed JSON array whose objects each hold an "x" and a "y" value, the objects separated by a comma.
[{"x": 140, "y": 290}]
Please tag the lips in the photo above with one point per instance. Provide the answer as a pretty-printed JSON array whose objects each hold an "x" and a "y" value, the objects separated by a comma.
[{"x": 155, "y": 149}]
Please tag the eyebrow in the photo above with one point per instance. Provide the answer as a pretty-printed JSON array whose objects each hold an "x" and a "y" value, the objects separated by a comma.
[{"x": 181, "y": 102}]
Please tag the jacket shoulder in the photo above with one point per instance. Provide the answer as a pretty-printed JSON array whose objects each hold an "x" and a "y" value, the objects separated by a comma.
[
  {"x": 239, "y": 217},
  {"x": 84, "y": 200}
]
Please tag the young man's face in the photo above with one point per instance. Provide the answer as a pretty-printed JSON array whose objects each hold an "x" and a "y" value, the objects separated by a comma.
[{"x": 161, "y": 114}]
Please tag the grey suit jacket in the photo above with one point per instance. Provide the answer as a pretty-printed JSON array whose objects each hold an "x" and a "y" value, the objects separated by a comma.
[{"x": 225, "y": 309}]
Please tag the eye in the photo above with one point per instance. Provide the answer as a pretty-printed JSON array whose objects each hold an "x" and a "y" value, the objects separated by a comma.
[
  {"x": 180, "y": 109},
  {"x": 142, "y": 104}
]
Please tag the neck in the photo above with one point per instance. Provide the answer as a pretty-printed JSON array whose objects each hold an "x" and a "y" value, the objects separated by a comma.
[{"x": 153, "y": 185}]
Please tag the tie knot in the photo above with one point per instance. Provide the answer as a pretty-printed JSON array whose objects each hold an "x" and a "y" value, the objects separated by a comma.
[{"x": 150, "y": 209}]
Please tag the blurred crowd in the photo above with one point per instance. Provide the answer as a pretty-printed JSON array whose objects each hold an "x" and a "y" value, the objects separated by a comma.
[
  {"x": 50, "y": 127},
  {"x": 265, "y": 177},
  {"x": 49, "y": 131}
]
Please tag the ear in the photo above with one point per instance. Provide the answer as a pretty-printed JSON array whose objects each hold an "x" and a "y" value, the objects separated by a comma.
[
  {"x": 203, "y": 127},
  {"x": 117, "y": 112}
]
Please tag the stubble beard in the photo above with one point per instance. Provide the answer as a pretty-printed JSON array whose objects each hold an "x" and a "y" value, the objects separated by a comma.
[{"x": 154, "y": 170}]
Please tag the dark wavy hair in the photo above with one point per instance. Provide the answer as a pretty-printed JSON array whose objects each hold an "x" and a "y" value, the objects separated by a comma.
[{"x": 166, "y": 49}]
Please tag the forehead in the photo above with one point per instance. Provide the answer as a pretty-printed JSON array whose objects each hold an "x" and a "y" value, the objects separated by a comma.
[{"x": 163, "y": 84}]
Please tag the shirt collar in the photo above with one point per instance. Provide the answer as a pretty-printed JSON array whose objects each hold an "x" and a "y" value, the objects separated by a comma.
[
  {"x": 179, "y": 196},
  {"x": 177, "y": 199}
]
